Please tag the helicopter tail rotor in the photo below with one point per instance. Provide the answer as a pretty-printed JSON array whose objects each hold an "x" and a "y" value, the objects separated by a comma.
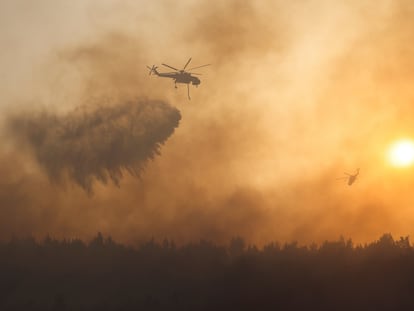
[{"x": 152, "y": 70}]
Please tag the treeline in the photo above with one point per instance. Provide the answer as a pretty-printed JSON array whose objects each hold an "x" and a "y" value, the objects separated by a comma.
[{"x": 105, "y": 275}]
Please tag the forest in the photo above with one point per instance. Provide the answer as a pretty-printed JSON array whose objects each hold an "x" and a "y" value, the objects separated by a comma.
[{"x": 101, "y": 274}]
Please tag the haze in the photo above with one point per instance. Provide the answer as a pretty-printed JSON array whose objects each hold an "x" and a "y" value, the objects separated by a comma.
[{"x": 298, "y": 93}]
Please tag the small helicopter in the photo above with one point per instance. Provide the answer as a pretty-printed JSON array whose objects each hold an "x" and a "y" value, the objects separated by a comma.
[
  {"x": 351, "y": 177},
  {"x": 179, "y": 76}
]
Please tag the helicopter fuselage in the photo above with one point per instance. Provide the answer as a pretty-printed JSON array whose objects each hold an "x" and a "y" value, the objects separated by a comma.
[
  {"x": 180, "y": 77},
  {"x": 352, "y": 178}
]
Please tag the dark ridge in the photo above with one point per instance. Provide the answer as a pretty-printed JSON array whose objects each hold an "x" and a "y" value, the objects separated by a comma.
[{"x": 105, "y": 275}]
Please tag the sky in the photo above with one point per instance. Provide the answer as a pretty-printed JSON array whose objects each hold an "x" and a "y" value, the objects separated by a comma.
[{"x": 298, "y": 92}]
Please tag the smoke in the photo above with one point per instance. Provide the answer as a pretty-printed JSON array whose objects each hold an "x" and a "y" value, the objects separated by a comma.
[
  {"x": 97, "y": 144},
  {"x": 298, "y": 93}
]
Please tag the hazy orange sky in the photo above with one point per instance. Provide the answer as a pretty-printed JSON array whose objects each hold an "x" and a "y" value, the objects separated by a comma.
[{"x": 298, "y": 93}]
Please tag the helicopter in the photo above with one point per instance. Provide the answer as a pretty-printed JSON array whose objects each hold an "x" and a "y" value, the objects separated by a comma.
[
  {"x": 351, "y": 177},
  {"x": 179, "y": 76}
]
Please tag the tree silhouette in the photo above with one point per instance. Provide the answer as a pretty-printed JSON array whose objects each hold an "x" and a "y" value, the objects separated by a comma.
[{"x": 71, "y": 274}]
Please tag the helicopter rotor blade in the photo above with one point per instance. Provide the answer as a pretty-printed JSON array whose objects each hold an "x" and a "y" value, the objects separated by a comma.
[
  {"x": 170, "y": 67},
  {"x": 197, "y": 74},
  {"x": 187, "y": 63},
  {"x": 199, "y": 67}
]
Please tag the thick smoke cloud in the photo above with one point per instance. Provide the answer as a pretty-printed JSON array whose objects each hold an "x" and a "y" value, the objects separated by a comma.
[
  {"x": 99, "y": 144},
  {"x": 298, "y": 93}
]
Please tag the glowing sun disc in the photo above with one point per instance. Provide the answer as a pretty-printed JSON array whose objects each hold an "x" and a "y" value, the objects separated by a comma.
[{"x": 401, "y": 153}]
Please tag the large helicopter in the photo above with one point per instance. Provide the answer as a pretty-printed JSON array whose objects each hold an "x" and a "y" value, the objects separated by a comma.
[
  {"x": 179, "y": 76},
  {"x": 351, "y": 177}
]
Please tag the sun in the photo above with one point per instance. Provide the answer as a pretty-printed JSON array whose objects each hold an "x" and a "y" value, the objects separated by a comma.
[{"x": 401, "y": 153}]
